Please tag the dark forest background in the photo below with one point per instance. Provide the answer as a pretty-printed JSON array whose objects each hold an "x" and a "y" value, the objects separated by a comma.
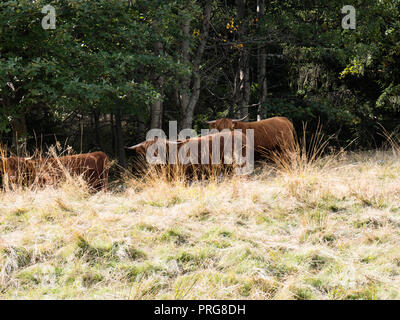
[{"x": 113, "y": 69}]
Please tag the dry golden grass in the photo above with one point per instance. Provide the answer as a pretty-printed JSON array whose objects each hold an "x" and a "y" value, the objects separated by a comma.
[
  {"x": 41, "y": 172},
  {"x": 325, "y": 229}
]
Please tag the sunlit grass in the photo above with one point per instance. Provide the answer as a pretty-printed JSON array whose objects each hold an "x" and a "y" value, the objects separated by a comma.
[{"x": 328, "y": 231}]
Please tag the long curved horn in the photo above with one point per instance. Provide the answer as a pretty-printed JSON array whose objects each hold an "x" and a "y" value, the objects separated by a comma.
[
  {"x": 27, "y": 159},
  {"x": 133, "y": 147},
  {"x": 241, "y": 118},
  {"x": 211, "y": 122},
  {"x": 176, "y": 142}
]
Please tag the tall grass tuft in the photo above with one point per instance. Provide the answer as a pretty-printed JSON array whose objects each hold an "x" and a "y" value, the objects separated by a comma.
[
  {"x": 393, "y": 140},
  {"x": 38, "y": 172},
  {"x": 149, "y": 176},
  {"x": 306, "y": 155}
]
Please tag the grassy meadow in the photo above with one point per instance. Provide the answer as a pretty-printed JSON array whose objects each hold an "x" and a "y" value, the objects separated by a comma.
[{"x": 325, "y": 228}]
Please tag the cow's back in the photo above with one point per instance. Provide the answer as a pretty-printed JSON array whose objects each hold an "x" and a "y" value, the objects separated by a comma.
[
  {"x": 212, "y": 151},
  {"x": 271, "y": 134},
  {"x": 92, "y": 166}
]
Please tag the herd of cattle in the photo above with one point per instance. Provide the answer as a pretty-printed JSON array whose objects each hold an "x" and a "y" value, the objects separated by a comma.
[{"x": 273, "y": 134}]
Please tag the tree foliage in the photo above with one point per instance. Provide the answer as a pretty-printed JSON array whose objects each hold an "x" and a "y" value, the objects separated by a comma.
[{"x": 108, "y": 62}]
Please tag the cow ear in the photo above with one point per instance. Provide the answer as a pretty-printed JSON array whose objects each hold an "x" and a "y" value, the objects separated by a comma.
[{"x": 233, "y": 125}]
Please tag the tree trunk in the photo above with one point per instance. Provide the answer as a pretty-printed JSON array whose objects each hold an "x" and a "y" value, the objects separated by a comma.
[
  {"x": 262, "y": 63},
  {"x": 157, "y": 106},
  {"x": 157, "y": 113},
  {"x": 183, "y": 96},
  {"x": 242, "y": 78},
  {"x": 156, "y": 109},
  {"x": 141, "y": 129},
  {"x": 244, "y": 88},
  {"x": 113, "y": 132},
  {"x": 119, "y": 139},
  {"x": 189, "y": 95},
  {"x": 194, "y": 98},
  {"x": 96, "y": 116}
]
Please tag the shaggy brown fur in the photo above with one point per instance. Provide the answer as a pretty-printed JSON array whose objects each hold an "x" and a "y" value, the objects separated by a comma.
[
  {"x": 204, "y": 143},
  {"x": 14, "y": 169},
  {"x": 93, "y": 167},
  {"x": 273, "y": 134}
]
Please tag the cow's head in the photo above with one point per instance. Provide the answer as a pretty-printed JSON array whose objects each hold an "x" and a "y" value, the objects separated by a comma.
[{"x": 225, "y": 123}]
